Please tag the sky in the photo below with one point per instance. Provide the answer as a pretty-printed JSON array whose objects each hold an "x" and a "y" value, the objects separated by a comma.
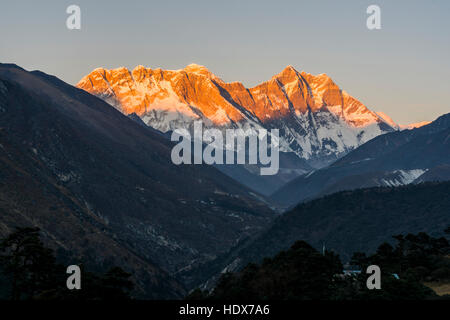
[{"x": 403, "y": 69}]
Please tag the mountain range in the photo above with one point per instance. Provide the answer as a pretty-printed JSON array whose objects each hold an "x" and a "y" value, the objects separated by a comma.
[
  {"x": 344, "y": 222},
  {"x": 91, "y": 167},
  {"x": 103, "y": 189},
  {"x": 393, "y": 159},
  {"x": 317, "y": 120}
]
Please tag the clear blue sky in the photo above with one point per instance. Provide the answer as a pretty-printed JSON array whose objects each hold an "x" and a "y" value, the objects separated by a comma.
[{"x": 402, "y": 69}]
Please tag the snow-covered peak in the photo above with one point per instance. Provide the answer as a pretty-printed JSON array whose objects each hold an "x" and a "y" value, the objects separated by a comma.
[
  {"x": 197, "y": 69},
  {"x": 316, "y": 118},
  {"x": 413, "y": 125},
  {"x": 387, "y": 119},
  {"x": 396, "y": 126}
]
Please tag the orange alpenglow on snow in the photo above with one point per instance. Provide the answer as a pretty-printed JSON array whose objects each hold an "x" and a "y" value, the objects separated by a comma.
[
  {"x": 317, "y": 120},
  {"x": 195, "y": 91}
]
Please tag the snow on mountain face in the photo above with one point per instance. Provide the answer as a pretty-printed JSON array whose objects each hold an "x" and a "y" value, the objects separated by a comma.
[
  {"x": 387, "y": 119},
  {"x": 396, "y": 126},
  {"x": 317, "y": 120},
  {"x": 413, "y": 125},
  {"x": 401, "y": 177}
]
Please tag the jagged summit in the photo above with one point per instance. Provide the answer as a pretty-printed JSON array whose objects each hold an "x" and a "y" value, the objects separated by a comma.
[
  {"x": 316, "y": 119},
  {"x": 288, "y": 70}
]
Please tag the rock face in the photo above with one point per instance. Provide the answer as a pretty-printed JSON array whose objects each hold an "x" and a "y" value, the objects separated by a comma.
[{"x": 317, "y": 120}]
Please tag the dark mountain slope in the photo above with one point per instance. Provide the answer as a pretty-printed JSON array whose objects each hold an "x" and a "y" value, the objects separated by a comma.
[
  {"x": 438, "y": 173},
  {"x": 360, "y": 220},
  {"x": 347, "y": 222},
  {"x": 113, "y": 171},
  {"x": 77, "y": 234},
  {"x": 391, "y": 159},
  {"x": 290, "y": 166},
  {"x": 405, "y": 148}
]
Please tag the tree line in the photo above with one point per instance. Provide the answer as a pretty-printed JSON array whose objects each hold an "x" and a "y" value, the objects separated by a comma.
[
  {"x": 29, "y": 271},
  {"x": 303, "y": 273}
]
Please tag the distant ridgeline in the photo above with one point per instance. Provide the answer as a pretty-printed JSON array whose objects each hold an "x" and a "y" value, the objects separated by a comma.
[{"x": 392, "y": 159}]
